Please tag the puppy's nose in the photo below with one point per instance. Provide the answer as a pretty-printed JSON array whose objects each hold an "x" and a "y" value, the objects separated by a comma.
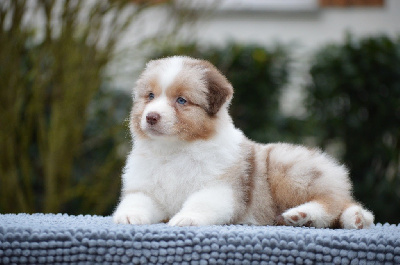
[{"x": 152, "y": 118}]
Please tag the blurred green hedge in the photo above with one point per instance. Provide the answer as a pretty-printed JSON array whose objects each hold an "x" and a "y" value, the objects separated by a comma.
[
  {"x": 354, "y": 100},
  {"x": 50, "y": 159}
]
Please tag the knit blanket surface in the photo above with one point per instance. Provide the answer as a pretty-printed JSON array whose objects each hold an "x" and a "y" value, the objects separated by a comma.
[{"x": 61, "y": 238}]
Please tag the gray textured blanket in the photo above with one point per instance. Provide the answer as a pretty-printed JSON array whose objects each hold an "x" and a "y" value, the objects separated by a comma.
[{"x": 52, "y": 239}]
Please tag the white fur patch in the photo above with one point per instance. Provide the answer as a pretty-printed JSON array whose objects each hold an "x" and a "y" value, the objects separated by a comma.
[
  {"x": 139, "y": 209},
  {"x": 210, "y": 206},
  {"x": 170, "y": 70},
  {"x": 171, "y": 171},
  {"x": 161, "y": 106}
]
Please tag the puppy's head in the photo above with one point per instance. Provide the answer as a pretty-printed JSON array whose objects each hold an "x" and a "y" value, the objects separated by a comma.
[{"x": 179, "y": 97}]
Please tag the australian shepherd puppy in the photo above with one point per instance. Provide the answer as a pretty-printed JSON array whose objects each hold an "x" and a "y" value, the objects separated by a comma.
[{"x": 190, "y": 166}]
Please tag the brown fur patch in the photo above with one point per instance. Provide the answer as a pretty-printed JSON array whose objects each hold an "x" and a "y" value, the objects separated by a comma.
[
  {"x": 248, "y": 178},
  {"x": 183, "y": 88},
  {"x": 279, "y": 220},
  {"x": 314, "y": 174},
  {"x": 194, "y": 124},
  {"x": 145, "y": 85},
  {"x": 153, "y": 86},
  {"x": 284, "y": 191},
  {"x": 219, "y": 88},
  {"x": 142, "y": 91},
  {"x": 135, "y": 116}
]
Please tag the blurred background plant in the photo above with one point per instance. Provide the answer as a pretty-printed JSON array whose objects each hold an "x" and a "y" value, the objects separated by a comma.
[
  {"x": 62, "y": 132},
  {"x": 63, "y": 135}
]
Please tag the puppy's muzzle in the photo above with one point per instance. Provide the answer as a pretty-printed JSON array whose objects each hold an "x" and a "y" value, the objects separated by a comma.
[{"x": 152, "y": 118}]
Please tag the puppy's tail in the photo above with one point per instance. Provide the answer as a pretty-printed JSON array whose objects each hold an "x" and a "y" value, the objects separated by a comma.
[{"x": 354, "y": 216}]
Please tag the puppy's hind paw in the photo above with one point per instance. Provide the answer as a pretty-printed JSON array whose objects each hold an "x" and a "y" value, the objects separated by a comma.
[
  {"x": 308, "y": 214},
  {"x": 294, "y": 217},
  {"x": 355, "y": 217}
]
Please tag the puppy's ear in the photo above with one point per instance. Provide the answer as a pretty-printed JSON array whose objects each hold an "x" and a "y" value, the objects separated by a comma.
[{"x": 219, "y": 89}]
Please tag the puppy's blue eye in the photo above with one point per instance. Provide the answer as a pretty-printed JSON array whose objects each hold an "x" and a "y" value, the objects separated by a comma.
[
  {"x": 151, "y": 96},
  {"x": 181, "y": 100}
]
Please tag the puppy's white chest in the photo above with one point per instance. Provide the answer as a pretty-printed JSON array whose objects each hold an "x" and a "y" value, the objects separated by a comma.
[{"x": 169, "y": 179}]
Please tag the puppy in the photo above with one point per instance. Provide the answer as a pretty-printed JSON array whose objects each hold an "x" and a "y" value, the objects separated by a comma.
[{"x": 190, "y": 166}]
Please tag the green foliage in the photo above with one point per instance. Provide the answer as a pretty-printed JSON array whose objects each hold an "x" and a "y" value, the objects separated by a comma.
[
  {"x": 61, "y": 129},
  {"x": 46, "y": 88},
  {"x": 354, "y": 99},
  {"x": 258, "y": 76},
  {"x": 98, "y": 163}
]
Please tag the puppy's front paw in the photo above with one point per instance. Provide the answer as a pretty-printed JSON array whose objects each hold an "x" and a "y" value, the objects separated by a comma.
[
  {"x": 186, "y": 219},
  {"x": 130, "y": 217}
]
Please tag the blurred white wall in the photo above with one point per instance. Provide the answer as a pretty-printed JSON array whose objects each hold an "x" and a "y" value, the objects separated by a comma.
[
  {"x": 265, "y": 22},
  {"x": 310, "y": 27}
]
